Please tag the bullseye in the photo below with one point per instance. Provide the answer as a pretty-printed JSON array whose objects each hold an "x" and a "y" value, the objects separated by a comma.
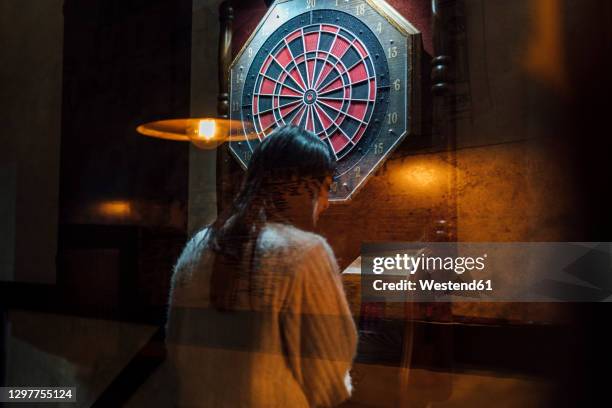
[{"x": 310, "y": 97}]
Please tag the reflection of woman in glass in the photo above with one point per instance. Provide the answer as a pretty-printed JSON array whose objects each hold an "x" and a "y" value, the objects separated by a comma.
[{"x": 258, "y": 316}]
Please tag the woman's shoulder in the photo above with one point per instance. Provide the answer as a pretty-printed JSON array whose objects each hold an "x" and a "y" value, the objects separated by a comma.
[
  {"x": 284, "y": 235},
  {"x": 197, "y": 241},
  {"x": 278, "y": 237},
  {"x": 193, "y": 250}
]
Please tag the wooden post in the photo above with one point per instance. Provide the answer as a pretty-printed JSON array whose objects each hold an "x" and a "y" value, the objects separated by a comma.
[{"x": 226, "y": 18}]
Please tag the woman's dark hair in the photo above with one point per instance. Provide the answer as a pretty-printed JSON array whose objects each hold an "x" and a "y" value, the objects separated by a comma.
[{"x": 288, "y": 159}]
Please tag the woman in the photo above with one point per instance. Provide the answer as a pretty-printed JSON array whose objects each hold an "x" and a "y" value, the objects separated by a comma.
[{"x": 258, "y": 316}]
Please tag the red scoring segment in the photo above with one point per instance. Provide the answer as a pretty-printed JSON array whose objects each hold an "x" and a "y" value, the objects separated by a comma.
[{"x": 307, "y": 84}]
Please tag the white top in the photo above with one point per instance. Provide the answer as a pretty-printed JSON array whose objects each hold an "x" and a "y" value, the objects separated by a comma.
[{"x": 290, "y": 343}]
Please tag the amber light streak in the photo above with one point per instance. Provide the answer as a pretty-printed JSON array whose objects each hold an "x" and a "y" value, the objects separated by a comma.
[{"x": 545, "y": 57}]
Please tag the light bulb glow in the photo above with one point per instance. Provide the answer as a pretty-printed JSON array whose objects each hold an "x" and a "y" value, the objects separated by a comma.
[{"x": 207, "y": 129}]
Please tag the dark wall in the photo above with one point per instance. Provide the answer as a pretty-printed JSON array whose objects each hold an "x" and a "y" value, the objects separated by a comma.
[
  {"x": 125, "y": 63},
  {"x": 30, "y": 110},
  {"x": 123, "y": 196}
]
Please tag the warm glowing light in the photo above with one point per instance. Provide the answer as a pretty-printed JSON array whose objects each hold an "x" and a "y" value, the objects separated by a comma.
[
  {"x": 207, "y": 129},
  {"x": 420, "y": 175},
  {"x": 205, "y": 133},
  {"x": 545, "y": 57},
  {"x": 115, "y": 208}
]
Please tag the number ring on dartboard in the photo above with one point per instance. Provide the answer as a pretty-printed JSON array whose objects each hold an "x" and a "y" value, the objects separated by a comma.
[{"x": 320, "y": 77}]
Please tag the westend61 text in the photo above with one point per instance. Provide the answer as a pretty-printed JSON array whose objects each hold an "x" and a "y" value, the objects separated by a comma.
[{"x": 432, "y": 285}]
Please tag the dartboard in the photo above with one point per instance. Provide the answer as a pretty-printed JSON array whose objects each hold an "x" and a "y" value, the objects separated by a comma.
[{"x": 344, "y": 70}]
